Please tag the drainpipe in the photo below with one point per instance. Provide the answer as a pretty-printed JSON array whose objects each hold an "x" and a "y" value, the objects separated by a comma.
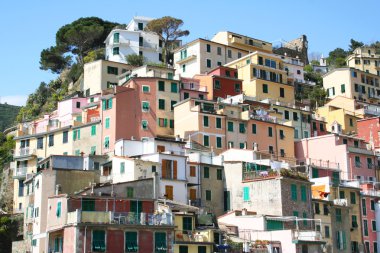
[{"x": 85, "y": 240}]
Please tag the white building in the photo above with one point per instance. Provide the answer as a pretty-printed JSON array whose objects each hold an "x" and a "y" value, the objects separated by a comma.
[
  {"x": 132, "y": 39},
  {"x": 201, "y": 56}
]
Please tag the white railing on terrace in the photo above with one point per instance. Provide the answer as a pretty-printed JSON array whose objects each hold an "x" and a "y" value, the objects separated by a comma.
[
  {"x": 20, "y": 172},
  {"x": 25, "y": 151}
]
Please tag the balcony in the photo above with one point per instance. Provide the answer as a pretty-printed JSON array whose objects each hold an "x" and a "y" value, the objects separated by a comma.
[
  {"x": 24, "y": 152},
  {"x": 340, "y": 202},
  {"x": 196, "y": 202},
  {"x": 192, "y": 86},
  {"x": 186, "y": 59},
  {"x": 19, "y": 173},
  {"x": 310, "y": 236},
  {"x": 374, "y": 193},
  {"x": 360, "y": 150},
  {"x": 125, "y": 218},
  {"x": 149, "y": 46},
  {"x": 195, "y": 236}
]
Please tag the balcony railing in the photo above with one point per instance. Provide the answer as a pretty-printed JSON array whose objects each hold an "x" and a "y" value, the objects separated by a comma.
[
  {"x": 192, "y": 86},
  {"x": 360, "y": 150},
  {"x": 20, "y": 172},
  {"x": 127, "y": 218},
  {"x": 306, "y": 235},
  {"x": 201, "y": 236},
  {"x": 341, "y": 202},
  {"x": 25, "y": 152},
  {"x": 374, "y": 193}
]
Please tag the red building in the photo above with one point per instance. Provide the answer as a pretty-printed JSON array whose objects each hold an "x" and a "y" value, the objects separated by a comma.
[
  {"x": 221, "y": 82},
  {"x": 107, "y": 224},
  {"x": 368, "y": 129},
  {"x": 318, "y": 127}
]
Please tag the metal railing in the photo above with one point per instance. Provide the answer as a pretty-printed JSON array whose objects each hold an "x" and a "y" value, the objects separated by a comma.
[
  {"x": 193, "y": 236},
  {"x": 192, "y": 86},
  {"x": 25, "y": 152},
  {"x": 127, "y": 218},
  {"x": 20, "y": 172}
]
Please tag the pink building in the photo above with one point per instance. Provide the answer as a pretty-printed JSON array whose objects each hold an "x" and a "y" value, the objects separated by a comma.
[
  {"x": 356, "y": 161},
  {"x": 369, "y": 197}
]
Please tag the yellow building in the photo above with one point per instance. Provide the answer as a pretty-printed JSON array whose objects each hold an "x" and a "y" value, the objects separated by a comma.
[
  {"x": 243, "y": 42},
  {"x": 366, "y": 59},
  {"x": 189, "y": 239},
  {"x": 264, "y": 77},
  {"x": 352, "y": 83},
  {"x": 341, "y": 110}
]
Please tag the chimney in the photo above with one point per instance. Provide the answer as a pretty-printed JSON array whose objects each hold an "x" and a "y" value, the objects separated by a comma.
[{"x": 58, "y": 189}]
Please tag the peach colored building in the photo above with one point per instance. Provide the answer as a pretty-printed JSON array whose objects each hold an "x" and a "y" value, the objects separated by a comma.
[
  {"x": 220, "y": 126},
  {"x": 191, "y": 88}
]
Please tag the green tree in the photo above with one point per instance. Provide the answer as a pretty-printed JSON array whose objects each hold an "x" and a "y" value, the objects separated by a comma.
[
  {"x": 169, "y": 30},
  {"x": 354, "y": 44},
  {"x": 94, "y": 55},
  {"x": 317, "y": 96},
  {"x": 53, "y": 59},
  {"x": 135, "y": 60},
  {"x": 8, "y": 233},
  {"x": 76, "y": 39},
  {"x": 337, "y": 57}
]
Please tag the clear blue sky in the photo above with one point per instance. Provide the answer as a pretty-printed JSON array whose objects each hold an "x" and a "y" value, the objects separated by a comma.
[{"x": 27, "y": 27}]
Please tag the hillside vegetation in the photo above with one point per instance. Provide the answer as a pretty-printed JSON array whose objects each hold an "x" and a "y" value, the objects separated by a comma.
[{"x": 8, "y": 115}]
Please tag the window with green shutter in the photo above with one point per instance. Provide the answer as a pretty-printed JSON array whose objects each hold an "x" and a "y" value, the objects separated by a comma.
[
  {"x": 304, "y": 216},
  {"x": 335, "y": 178},
  {"x": 354, "y": 220},
  {"x": 206, "y": 172},
  {"x": 109, "y": 103},
  {"x": 338, "y": 215},
  {"x": 202, "y": 249},
  {"x": 144, "y": 124},
  {"x": 112, "y": 70},
  {"x": 265, "y": 88},
  {"x": 314, "y": 173},
  {"x": 187, "y": 223},
  {"x": 58, "y": 211},
  {"x": 77, "y": 152},
  {"x": 115, "y": 51},
  {"x": 174, "y": 87},
  {"x": 241, "y": 128},
  {"x": 146, "y": 88},
  {"x": 274, "y": 225},
  {"x": 98, "y": 240},
  {"x": 254, "y": 128},
  {"x": 88, "y": 204},
  {"x": 270, "y": 131},
  {"x": 296, "y": 214},
  {"x": 218, "y": 142},
  {"x": 58, "y": 244},
  {"x": 170, "y": 75},
  {"x": 171, "y": 123},
  {"x": 161, "y": 85},
  {"x": 218, "y": 123},
  {"x": 130, "y": 192},
  {"x": 245, "y": 193},
  {"x": 183, "y": 249},
  {"x": 93, "y": 150},
  {"x": 208, "y": 63},
  {"x": 145, "y": 106},
  {"x": 206, "y": 140},
  {"x": 160, "y": 245},
  {"x": 303, "y": 193},
  {"x": 242, "y": 145},
  {"x": 208, "y": 195},
  {"x": 219, "y": 174},
  {"x": 161, "y": 104},
  {"x": 116, "y": 37},
  {"x": 122, "y": 167},
  {"x": 172, "y": 103},
  {"x": 131, "y": 241},
  {"x": 217, "y": 84},
  {"x": 230, "y": 126},
  {"x": 93, "y": 130},
  {"x": 353, "y": 197},
  {"x": 205, "y": 121},
  {"x": 108, "y": 120},
  {"x": 365, "y": 227},
  {"x": 293, "y": 189},
  {"x": 342, "y": 88},
  {"x": 107, "y": 142}
]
